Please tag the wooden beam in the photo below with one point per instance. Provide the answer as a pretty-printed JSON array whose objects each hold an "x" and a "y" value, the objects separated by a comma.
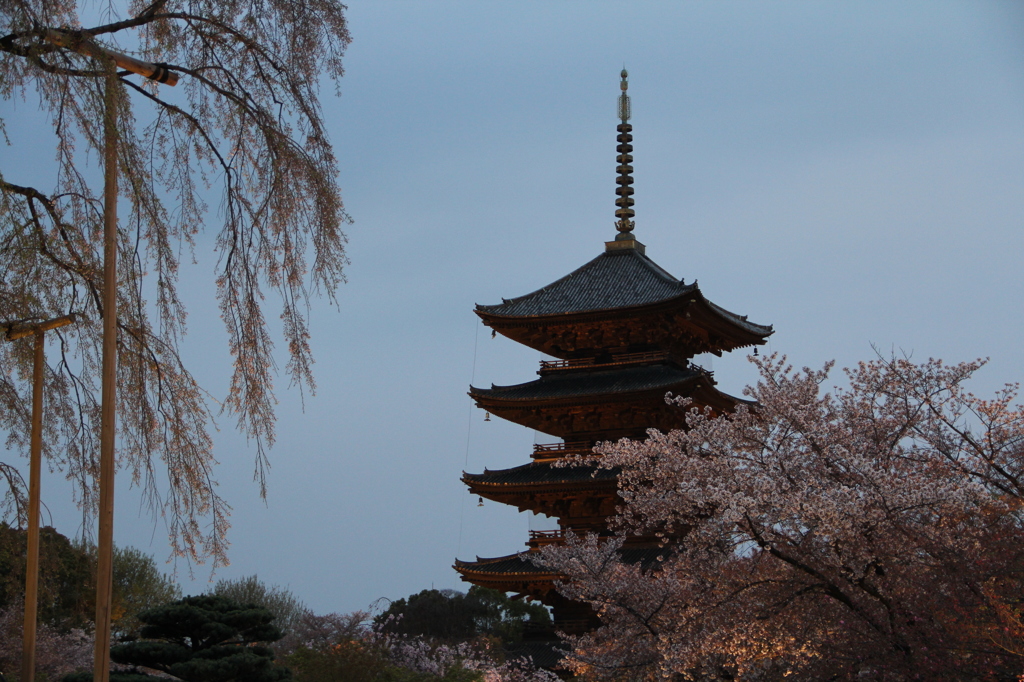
[{"x": 19, "y": 330}]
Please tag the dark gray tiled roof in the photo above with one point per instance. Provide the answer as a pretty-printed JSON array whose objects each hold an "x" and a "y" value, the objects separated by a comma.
[
  {"x": 514, "y": 564},
  {"x": 567, "y": 385},
  {"x": 615, "y": 279},
  {"x": 542, "y": 472}
]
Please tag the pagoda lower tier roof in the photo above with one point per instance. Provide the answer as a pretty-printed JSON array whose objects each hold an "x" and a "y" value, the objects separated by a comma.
[
  {"x": 604, "y": 405},
  {"x": 541, "y": 474},
  {"x": 520, "y": 566},
  {"x": 627, "y": 286}
]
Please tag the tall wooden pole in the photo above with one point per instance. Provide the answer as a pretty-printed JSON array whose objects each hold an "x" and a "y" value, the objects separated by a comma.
[
  {"x": 105, "y": 540},
  {"x": 28, "y": 644},
  {"x": 105, "y": 544}
]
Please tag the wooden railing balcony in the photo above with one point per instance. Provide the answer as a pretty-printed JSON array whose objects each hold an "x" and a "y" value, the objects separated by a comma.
[
  {"x": 558, "y": 450},
  {"x": 549, "y": 366},
  {"x": 541, "y": 538},
  {"x": 555, "y": 365}
]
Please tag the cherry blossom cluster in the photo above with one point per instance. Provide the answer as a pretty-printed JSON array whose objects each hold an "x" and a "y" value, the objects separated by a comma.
[
  {"x": 57, "y": 653},
  {"x": 872, "y": 531},
  {"x": 437, "y": 659}
]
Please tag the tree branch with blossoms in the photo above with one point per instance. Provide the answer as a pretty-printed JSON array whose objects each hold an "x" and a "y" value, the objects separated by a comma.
[
  {"x": 872, "y": 530},
  {"x": 245, "y": 120}
]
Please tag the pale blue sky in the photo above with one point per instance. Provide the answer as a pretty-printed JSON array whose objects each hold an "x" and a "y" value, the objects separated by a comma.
[{"x": 852, "y": 173}]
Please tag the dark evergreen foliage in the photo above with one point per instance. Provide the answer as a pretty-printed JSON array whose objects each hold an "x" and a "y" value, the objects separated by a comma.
[
  {"x": 67, "y": 584},
  {"x": 65, "y": 576},
  {"x": 452, "y": 616},
  {"x": 201, "y": 639}
]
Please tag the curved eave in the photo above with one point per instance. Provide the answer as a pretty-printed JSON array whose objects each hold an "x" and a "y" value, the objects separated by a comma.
[
  {"x": 556, "y": 416},
  {"x": 586, "y": 416},
  {"x": 520, "y": 492},
  {"x": 484, "y": 488},
  {"x": 702, "y": 395},
  {"x": 583, "y": 387},
  {"x": 513, "y": 566},
  {"x": 762, "y": 331},
  {"x": 735, "y": 331},
  {"x": 698, "y": 386},
  {"x": 540, "y": 474}
]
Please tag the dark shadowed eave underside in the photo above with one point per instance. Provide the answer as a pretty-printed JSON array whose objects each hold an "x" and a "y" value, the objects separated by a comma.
[
  {"x": 614, "y": 280},
  {"x": 540, "y": 473}
]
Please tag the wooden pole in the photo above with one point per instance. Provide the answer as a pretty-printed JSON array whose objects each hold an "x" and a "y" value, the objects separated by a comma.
[
  {"x": 19, "y": 330},
  {"x": 28, "y": 643},
  {"x": 105, "y": 539}
]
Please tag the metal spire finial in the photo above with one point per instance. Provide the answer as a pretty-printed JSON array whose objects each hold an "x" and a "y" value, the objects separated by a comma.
[
  {"x": 624, "y": 202},
  {"x": 624, "y": 109}
]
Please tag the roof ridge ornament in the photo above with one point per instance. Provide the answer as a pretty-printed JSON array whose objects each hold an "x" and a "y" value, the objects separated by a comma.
[{"x": 624, "y": 211}]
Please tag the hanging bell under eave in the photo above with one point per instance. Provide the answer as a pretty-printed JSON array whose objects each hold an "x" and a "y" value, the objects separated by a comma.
[
  {"x": 487, "y": 416},
  {"x": 480, "y": 502}
]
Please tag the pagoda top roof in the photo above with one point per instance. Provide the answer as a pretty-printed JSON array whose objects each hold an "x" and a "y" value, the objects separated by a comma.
[
  {"x": 580, "y": 384},
  {"x": 616, "y": 279},
  {"x": 541, "y": 472}
]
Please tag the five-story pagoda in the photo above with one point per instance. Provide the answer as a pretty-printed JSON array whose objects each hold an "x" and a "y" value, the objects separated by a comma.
[{"x": 623, "y": 332}]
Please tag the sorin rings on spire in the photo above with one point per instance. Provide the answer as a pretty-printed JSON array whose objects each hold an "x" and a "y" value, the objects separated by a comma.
[{"x": 624, "y": 192}]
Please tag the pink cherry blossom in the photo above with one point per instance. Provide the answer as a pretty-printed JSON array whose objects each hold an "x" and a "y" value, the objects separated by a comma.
[{"x": 870, "y": 532}]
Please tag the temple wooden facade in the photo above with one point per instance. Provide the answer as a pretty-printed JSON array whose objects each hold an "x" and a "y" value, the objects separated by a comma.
[{"x": 623, "y": 333}]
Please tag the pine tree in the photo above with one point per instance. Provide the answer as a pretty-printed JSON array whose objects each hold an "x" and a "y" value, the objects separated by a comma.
[{"x": 201, "y": 639}]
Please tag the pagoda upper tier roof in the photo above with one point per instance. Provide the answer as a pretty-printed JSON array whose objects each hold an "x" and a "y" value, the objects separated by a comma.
[
  {"x": 614, "y": 281},
  {"x": 591, "y": 384},
  {"x": 513, "y": 564},
  {"x": 542, "y": 488},
  {"x": 605, "y": 405},
  {"x": 540, "y": 473}
]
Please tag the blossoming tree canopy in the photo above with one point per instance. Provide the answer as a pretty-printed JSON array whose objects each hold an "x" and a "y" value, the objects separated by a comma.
[
  {"x": 244, "y": 120},
  {"x": 873, "y": 530}
]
